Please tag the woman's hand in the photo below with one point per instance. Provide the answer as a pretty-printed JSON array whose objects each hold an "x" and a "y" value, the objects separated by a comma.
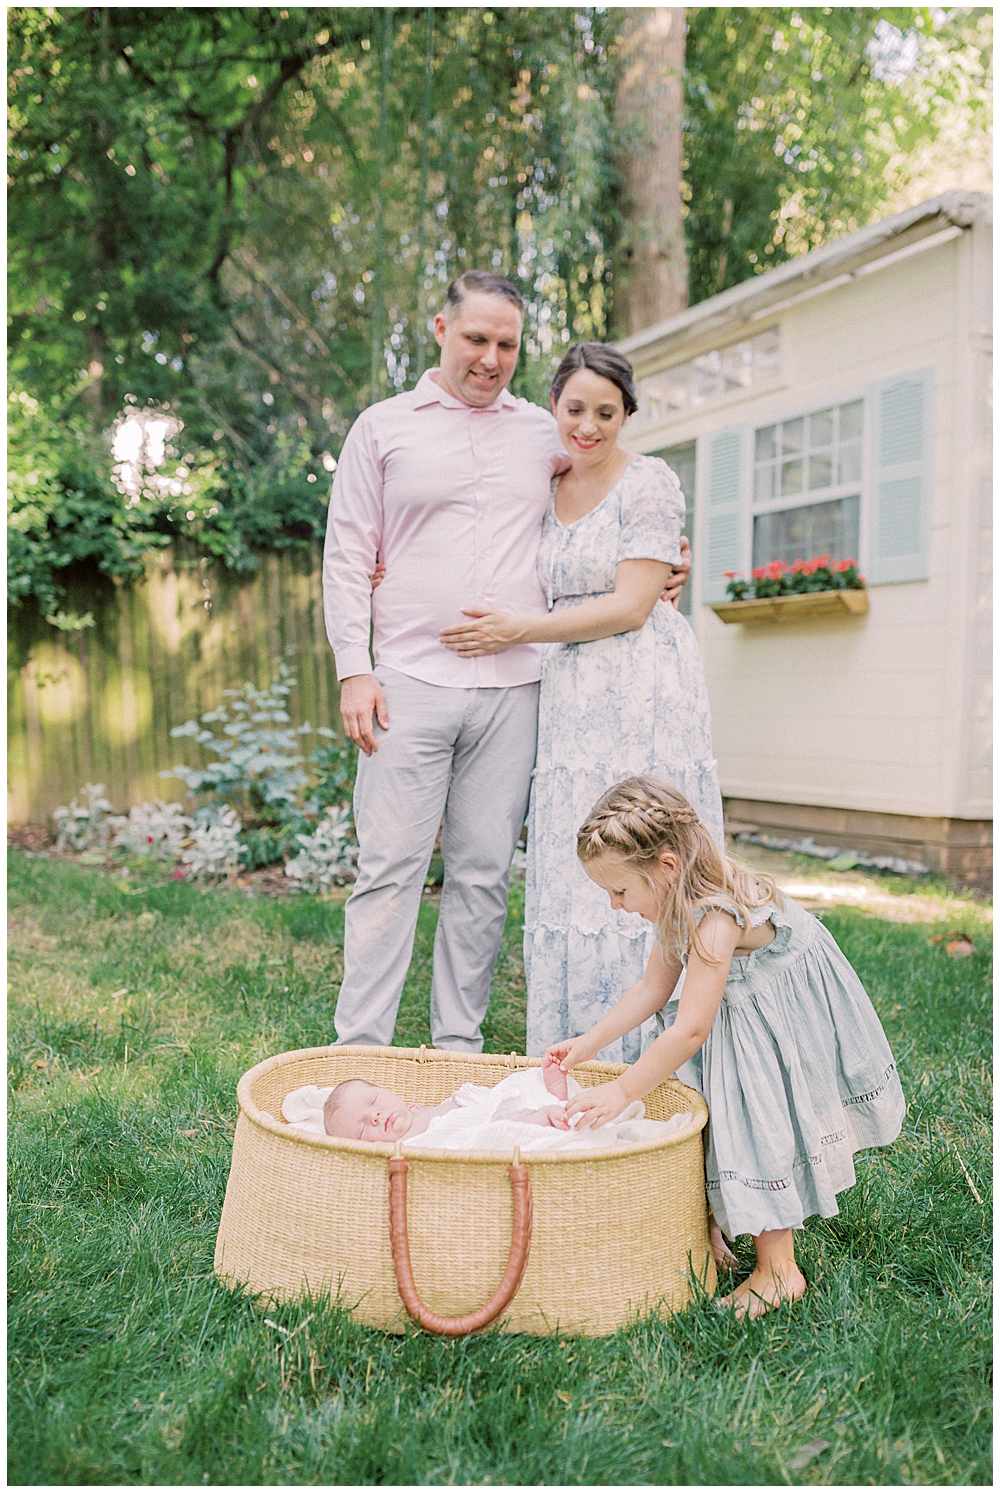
[
  {"x": 598, "y": 1105},
  {"x": 489, "y": 632},
  {"x": 568, "y": 1054},
  {"x": 378, "y": 575}
]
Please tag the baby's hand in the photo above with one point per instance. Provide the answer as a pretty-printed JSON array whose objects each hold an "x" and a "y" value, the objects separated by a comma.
[{"x": 598, "y": 1105}]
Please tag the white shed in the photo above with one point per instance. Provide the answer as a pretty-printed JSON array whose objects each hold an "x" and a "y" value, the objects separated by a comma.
[{"x": 840, "y": 404}]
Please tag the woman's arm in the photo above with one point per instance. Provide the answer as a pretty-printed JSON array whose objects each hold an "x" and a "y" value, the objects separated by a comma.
[
  {"x": 704, "y": 984},
  {"x": 638, "y": 584}
]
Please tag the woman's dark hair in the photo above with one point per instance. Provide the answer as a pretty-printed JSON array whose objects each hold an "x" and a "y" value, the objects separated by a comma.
[{"x": 605, "y": 361}]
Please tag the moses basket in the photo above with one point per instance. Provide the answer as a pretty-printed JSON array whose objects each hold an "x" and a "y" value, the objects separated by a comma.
[{"x": 560, "y": 1243}]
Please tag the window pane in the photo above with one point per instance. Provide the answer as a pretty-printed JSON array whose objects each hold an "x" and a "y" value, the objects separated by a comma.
[
  {"x": 766, "y": 351},
  {"x": 821, "y": 429},
  {"x": 763, "y": 484},
  {"x": 791, "y": 477},
  {"x": 850, "y": 463},
  {"x": 820, "y": 472},
  {"x": 764, "y": 445},
  {"x": 803, "y": 533},
  {"x": 682, "y": 460},
  {"x": 792, "y": 434},
  {"x": 851, "y": 416},
  {"x": 737, "y": 366}
]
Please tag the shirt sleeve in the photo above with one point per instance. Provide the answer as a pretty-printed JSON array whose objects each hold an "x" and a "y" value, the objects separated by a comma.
[
  {"x": 652, "y": 513},
  {"x": 353, "y": 534}
]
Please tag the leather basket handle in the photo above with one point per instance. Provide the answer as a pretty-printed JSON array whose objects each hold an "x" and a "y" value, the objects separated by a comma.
[{"x": 520, "y": 1244}]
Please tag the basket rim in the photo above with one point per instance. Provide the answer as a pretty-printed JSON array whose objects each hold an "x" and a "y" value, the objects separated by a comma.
[{"x": 285, "y": 1132}]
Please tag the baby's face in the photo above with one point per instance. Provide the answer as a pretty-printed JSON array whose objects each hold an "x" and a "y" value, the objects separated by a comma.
[{"x": 370, "y": 1114}]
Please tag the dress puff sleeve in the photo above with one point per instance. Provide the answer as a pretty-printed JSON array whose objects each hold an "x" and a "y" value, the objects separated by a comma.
[{"x": 652, "y": 512}]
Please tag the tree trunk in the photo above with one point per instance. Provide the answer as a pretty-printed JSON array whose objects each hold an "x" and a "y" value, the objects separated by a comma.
[{"x": 651, "y": 267}]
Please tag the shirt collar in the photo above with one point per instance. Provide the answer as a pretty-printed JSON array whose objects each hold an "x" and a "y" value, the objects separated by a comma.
[{"x": 429, "y": 391}]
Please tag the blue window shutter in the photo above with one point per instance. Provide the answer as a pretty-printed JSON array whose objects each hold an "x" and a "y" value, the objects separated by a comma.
[
  {"x": 722, "y": 529},
  {"x": 901, "y": 454}
]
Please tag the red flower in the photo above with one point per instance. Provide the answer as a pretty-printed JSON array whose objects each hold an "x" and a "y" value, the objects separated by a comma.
[
  {"x": 798, "y": 565},
  {"x": 844, "y": 564},
  {"x": 821, "y": 561},
  {"x": 775, "y": 569},
  {"x": 178, "y": 876},
  {"x": 759, "y": 574},
  {"x": 149, "y": 840},
  {"x": 731, "y": 575}
]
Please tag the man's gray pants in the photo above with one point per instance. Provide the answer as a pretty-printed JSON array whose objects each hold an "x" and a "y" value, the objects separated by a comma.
[{"x": 465, "y": 755}]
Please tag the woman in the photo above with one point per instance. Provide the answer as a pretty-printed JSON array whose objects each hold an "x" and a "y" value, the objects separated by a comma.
[{"x": 622, "y": 693}]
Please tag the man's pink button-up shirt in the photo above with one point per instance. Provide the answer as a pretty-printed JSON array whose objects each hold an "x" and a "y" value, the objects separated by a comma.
[{"x": 453, "y": 499}]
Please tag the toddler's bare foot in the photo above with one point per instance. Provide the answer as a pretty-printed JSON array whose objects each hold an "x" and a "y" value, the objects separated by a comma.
[
  {"x": 554, "y": 1078},
  {"x": 762, "y": 1293},
  {"x": 721, "y": 1253}
]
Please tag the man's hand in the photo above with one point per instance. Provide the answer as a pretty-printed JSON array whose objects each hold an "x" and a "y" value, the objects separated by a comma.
[
  {"x": 672, "y": 590},
  {"x": 598, "y": 1105},
  {"x": 361, "y": 697}
]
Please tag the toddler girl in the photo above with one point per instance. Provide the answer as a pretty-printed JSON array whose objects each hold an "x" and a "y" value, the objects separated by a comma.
[{"x": 756, "y": 1008}]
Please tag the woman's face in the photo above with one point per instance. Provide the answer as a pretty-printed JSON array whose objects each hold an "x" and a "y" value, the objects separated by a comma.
[{"x": 589, "y": 414}]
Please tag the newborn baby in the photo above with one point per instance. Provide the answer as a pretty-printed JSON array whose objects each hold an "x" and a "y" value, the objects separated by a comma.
[
  {"x": 513, "y": 1113},
  {"x": 359, "y": 1110}
]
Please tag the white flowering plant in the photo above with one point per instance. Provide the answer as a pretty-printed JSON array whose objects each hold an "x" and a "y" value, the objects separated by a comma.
[
  {"x": 328, "y": 857},
  {"x": 156, "y": 830},
  {"x": 84, "y": 826},
  {"x": 214, "y": 848}
]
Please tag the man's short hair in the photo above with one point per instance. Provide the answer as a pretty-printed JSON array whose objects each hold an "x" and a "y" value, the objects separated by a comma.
[{"x": 481, "y": 282}]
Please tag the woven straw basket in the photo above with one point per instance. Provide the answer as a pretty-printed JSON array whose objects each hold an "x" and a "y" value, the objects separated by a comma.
[{"x": 574, "y": 1244}]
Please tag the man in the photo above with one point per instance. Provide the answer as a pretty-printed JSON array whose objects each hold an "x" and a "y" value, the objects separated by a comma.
[{"x": 448, "y": 485}]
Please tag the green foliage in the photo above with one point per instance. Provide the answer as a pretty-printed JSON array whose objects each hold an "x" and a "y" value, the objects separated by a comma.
[
  {"x": 778, "y": 579},
  {"x": 221, "y": 214},
  {"x": 801, "y": 123},
  {"x": 259, "y": 771},
  {"x": 132, "y": 1018}
]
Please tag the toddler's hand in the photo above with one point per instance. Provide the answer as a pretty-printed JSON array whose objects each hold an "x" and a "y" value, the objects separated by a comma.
[
  {"x": 568, "y": 1054},
  {"x": 598, "y": 1105}
]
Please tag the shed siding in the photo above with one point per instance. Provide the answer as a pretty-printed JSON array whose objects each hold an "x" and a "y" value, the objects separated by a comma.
[{"x": 867, "y": 713}]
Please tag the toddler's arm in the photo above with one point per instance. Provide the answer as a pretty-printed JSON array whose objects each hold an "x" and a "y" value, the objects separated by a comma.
[
  {"x": 699, "y": 1001},
  {"x": 638, "y": 1003}
]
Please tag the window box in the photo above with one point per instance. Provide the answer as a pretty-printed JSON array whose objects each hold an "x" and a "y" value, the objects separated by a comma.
[{"x": 794, "y": 608}]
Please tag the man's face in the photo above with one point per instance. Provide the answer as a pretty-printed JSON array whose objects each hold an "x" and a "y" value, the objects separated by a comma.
[{"x": 479, "y": 345}]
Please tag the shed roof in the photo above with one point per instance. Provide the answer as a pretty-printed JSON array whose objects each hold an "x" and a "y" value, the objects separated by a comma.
[{"x": 837, "y": 261}]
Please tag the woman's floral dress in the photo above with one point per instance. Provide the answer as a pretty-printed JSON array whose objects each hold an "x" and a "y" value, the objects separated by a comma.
[{"x": 632, "y": 703}]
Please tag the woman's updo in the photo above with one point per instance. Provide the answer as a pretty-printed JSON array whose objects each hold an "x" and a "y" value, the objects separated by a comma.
[{"x": 606, "y": 362}]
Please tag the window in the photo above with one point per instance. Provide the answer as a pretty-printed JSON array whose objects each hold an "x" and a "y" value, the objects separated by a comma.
[
  {"x": 682, "y": 460},
  {"x": 855, "y": 472},
  {"x": 708, "y": 377},
  {"x": 816, "y": 460}
]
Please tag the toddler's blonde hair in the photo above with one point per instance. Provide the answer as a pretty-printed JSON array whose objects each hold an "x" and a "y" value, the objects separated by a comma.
[{"x": 640, "y": 817}]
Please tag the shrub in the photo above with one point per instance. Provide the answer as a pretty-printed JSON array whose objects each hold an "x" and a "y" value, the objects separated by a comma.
[
  {"x": 327, "y": 857},
  {"x": 156, "y": 829},
  {"x": 214, "y": 848},
  {"x": 84, "y": 828}
]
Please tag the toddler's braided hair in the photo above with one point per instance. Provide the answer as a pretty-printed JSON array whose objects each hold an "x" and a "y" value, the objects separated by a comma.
[{"x": 640, "y": 817}]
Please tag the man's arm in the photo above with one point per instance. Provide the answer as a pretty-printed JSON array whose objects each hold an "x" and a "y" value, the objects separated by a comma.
[{"x": 353, "y": 535}]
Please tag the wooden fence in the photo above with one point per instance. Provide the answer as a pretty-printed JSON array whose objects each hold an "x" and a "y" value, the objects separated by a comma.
[{"x": 97, "y": 706}]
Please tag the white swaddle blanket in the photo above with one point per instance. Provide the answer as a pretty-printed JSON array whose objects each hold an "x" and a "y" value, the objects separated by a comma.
[{"x": 484, "y": 1119}]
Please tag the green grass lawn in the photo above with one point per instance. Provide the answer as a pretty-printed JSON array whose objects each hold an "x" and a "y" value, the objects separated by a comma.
[{"x": 135, "y": 1008}]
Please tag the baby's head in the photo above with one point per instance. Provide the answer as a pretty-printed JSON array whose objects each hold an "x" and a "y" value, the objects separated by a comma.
[
  {"x": 359, "y": 1110},
  {"x": 645, "y": 845}
]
